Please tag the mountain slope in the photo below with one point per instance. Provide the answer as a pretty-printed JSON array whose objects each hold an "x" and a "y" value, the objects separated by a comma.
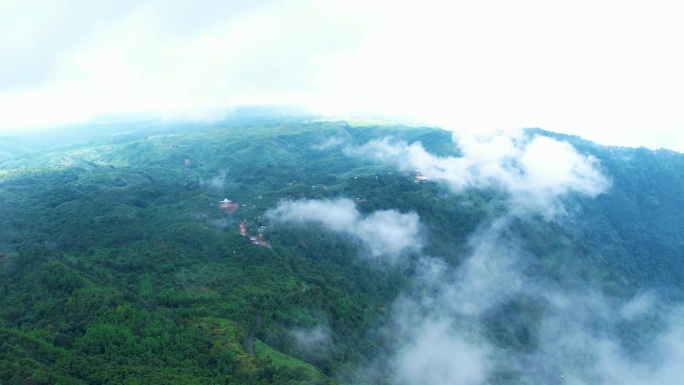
[{"x": 117, "y": 255}]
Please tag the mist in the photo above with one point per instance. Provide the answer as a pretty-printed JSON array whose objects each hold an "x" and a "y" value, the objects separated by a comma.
[
  {"x": 316, "y": 337},
  {"x": 489, "y": 321},
  {"x": 534, "y": 171},
  {"x": 218, "y": 182},
  {"x": 494, "y": 318},
  {"x": 385, "y": 235}
]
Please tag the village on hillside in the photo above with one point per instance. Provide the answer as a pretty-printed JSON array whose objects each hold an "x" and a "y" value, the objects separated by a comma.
[{"x": 229, "y": 206}]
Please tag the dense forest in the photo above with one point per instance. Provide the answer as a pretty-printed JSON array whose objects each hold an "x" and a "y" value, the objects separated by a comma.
[{"x": 280, "y": 250}]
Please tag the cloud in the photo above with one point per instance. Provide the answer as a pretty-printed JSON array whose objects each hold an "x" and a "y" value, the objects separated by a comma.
[
  {"x": 317, "y": 337},
  {"x": 491, "y": 274},
  {"x": 535, "y": 171},
  {"x": 491, "y": 320},
  {"x": 328, "y": 144},
  {"x": 438, "y": 356},
  {"x": 34, "y": 44},
  {"x": 580, "y": 341},
  {"x": 385, "y": 234},
  {"x": 41, "y": 47},
  {"x": 466, "y": 66},
  {"x": 642, "y": 304},
  {"x": 494, "y": 318},
  {"x": 217, "y": 182},
  {"x": 438, "y": 321},
  {"x": 167, "y": 57},
  {"x": 471, "y": 67}
]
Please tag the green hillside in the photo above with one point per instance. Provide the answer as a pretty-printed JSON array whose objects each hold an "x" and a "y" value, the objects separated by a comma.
[{"x": 118, "y": 266}]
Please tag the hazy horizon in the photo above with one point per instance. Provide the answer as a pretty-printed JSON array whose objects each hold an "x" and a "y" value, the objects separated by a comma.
[{"x": 608, "y": 72}]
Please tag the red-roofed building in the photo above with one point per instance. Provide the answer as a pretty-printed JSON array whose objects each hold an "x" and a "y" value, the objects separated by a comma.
[{"x": 228, "y": 205}]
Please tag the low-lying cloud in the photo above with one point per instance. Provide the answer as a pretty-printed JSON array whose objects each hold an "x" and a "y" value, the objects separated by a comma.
[
  {"x": 535, "y": 171},
  {"x": 308, "y": 339},
  {"x": 494, "y": 318},
  {"x": 437, "y": 355},
  {"x": 217, "y": 182},
  {"x": 491, "y": 321},
  {"x": 329, "y": 144},
  {"x": 385, "y": 234}
]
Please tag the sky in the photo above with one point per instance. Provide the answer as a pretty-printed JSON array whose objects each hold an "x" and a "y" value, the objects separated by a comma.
[{"x": 609, "y": 71}]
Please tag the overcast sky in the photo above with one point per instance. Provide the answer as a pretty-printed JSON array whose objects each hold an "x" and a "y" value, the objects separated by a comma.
[{"x": 610, "y": 71}]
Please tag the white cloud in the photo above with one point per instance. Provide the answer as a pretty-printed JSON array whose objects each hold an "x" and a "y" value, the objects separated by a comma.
[
  {"x": 328, "y": 144},
  {"x": 217, "y": 182},
  {"x": 572, "y": 340},
  {"x": 571, "y": 330},
  {"x": 606, "y": 71},
  {"x": 385, "y": 234},
  {"x": 167, "y": 57},
  {"x": 641, "y": 305},
  {"x": 491, "y": 275},
  {"x": 340, "y": 215},
  {"x": 389, "y": 232},
  {"x": 535, "y": 172},
  {"x": 580, "y": 68},
  {"x": 437, "y": 356},
  {"x": 309, "y": 338}
]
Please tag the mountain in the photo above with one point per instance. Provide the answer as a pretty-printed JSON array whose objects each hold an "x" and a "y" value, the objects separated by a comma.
[
  {"x": 12, "y": 148},
  {"x": 283, "y": 249}
]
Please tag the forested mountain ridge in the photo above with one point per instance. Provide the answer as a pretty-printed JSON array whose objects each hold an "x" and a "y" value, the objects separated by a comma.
[{"x": 119, "y": 264}]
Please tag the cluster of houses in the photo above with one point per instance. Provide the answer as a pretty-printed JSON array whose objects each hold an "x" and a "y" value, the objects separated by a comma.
[
  {"x": 259, "y": 238},
  {"x": 228, "y": 206},
  {"x": 256, "y": 240}
]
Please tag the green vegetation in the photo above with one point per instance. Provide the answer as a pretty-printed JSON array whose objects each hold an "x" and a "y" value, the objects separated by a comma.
[{"x": 118, "y": 267}]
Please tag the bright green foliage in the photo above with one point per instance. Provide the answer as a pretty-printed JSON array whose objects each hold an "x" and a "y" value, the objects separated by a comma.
[{"x": 118, "y": 267}]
